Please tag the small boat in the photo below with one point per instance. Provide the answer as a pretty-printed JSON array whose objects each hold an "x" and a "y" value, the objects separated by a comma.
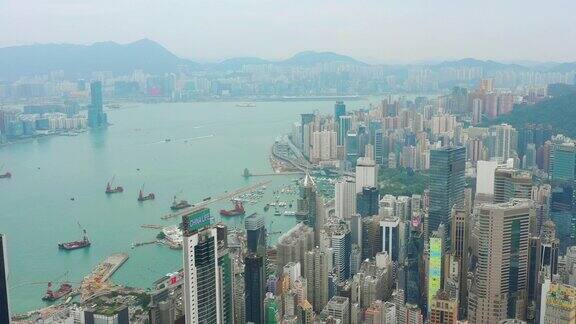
[{"x": 277, "y": 212}]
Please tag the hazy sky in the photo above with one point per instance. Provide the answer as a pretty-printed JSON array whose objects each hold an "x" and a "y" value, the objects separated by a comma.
[{"x": 377, "y": 30}]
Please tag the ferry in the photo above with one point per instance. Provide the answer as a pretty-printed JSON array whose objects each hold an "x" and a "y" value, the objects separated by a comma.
[{"x": 246, "y": 105}]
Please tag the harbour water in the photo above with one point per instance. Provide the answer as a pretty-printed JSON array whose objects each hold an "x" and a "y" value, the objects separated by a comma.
[{"x": 210, "y": 145}]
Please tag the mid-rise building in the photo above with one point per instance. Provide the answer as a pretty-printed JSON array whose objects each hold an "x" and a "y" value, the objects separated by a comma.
[
  {"x": 338, "y": 308},
  {"x": 443, "y": 309},
  {"x": 560, "y": 305}
]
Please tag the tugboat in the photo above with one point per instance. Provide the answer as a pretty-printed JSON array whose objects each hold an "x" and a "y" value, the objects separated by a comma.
[
  {"x": 141, "y": 196},
  {"x": 110, "y": 189},
  {"x": 237, "y": 211},
  {"x": 52, "y": 295},
  {"x": 177, "y": 205},
  {"x": 84, "y": 242}
]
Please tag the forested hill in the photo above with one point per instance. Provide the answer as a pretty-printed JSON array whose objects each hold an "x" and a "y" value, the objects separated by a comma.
[{"x": 559, "y": 112}]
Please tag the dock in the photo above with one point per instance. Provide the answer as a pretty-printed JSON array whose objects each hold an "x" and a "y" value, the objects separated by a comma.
[
  {"x": 205, "y": 203},
  {"x": 97, "y": 281}
]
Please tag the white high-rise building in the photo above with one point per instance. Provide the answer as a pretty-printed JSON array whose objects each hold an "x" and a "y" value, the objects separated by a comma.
[
  {"x": 485, "y": 177},
  {"x": 390, "y": 229},
  {"x": 366, "y": 174},
  {"x": 345, "y": 199},
  {"x": 201, "y": 275}
]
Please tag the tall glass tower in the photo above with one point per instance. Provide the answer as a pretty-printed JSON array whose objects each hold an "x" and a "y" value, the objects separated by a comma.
[
  {"x": 255, "y": 287},
  {"x": 4, "y": 305},
  {"x": 339, "y": 110},
  {"x": 96, "y": 116},
  {"x": 447, "y": 182}
]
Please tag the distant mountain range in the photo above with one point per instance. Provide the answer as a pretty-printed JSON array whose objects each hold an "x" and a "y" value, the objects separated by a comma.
[{"x": 151, "y": 57}]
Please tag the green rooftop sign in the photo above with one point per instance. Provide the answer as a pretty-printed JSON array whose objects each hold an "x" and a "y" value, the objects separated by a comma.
[{"x": 197, "y": 220}]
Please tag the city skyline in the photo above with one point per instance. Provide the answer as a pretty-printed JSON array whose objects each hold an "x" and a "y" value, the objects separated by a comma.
[{"x": 374, "y": 31}]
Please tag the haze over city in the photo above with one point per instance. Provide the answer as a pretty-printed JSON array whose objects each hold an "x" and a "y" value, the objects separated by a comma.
[
  {"x": 374, "y": 31},
  {"x": 287, "y": 162}
]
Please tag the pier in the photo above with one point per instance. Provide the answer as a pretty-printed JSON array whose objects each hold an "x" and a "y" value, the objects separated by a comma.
[
  {"x": 265, "y": 174},
  {"x": 97, "y": 281},
  {"x": 205, "y": 203}
]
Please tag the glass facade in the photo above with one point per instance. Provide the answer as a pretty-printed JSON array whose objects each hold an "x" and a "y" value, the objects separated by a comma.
[{"x": 447, "y": 182}]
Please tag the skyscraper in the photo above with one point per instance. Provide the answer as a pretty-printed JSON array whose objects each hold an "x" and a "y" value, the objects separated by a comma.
[
  {"x": 340, "y": 241},
  {"x": 96, "y": 116},
  {"x": 414, "y": 266},
  {"x": 307, "y": 206},
  {"x": 255, "y": 287},
  {"x": 391, "y": 237},
  {"x": 201, "y": 275},
  {"x": 460, "y": 236},
  {"x": 255, "y": 234},
  {"x": 366, "y": 174},
  {"x": 345, "y": 199},
  {"x": 226, "y": 274},
  {"x": 563, "y": 157},
  {"x": 306, "y": 135},
  {"x": 506, "y": 141},
  {"x": 367, "y": 201},
  {"x": 499, "y": 288},
  {"x": 447, "y": 182},
  {"x": 344, "y": 126},
  {"x": 511, "y": 183},
  {"x": 317, "y": 269},
  {"x": 4, "y": 301},
  {"x": 339, "y": 110}
]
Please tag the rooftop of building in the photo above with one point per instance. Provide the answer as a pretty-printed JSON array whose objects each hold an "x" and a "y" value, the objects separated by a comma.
[{"x": 562, "y": 296}]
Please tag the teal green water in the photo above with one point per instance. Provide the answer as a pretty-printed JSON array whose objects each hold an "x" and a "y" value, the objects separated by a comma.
[{"x": 36, "y": 211}]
